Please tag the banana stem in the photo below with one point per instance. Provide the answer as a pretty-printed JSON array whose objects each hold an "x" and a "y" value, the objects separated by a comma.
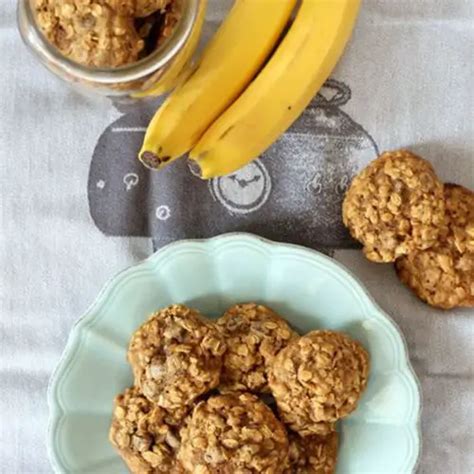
[{"x": 152, "y": 160}]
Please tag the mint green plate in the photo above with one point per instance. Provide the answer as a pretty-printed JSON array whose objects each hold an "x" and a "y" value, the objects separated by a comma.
[{"x": 309, "y": 289}]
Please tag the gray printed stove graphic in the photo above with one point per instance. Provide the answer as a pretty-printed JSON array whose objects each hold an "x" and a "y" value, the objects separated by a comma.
[{"x": 292, "y": 193}]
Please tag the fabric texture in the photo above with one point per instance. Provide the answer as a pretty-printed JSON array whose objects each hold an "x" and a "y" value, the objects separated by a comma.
[{"x": 76, "y": 207}]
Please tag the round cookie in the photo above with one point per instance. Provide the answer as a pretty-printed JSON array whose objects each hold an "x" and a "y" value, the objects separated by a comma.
[
  {"x": 254, "y": 335},
  {"x": 312, "y": 454},
  {"x": 138, "y": 8},
  {"x": 176, "y": 356},
  {"x": 318, "y": 379},
  {"x": 89, "y": 33},
  {"x": 233, "y": 433},
  {"x": 443, "y": 276},
  {"x": 394, "y": 206},
  {"x": 141, "y": 435}
]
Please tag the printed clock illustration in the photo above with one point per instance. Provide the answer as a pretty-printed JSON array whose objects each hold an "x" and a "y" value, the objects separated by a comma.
[{"x": 293, "y": 192}]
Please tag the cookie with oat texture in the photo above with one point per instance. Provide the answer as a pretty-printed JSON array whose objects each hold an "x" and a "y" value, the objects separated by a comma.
[
  {"x": 312, "y": 454},
  {"x": 317, "y": 380},
  {"x": 89, "y": 33},
  {"x": 142, "y": 436},
  {"x": 254, "y": 335},
  {"x": 176, "y": 356},
  {"x": 443, "y": 276},
  {"x": 233, "y": 433},
  {"x": 395, "y": 206}
]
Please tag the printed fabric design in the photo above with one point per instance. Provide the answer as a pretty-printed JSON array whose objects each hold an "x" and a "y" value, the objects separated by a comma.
[{"x": 292, "y": 193}]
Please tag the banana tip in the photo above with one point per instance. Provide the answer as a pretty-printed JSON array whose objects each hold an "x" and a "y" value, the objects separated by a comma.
[
  {"x": 194, "y": 167},
  {"x": 152, "y": 160}
]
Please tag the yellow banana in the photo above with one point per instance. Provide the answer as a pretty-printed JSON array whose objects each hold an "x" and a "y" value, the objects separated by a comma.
[
  {"x": 231, "y": 60},
  {"x": 180, "y": 65},
  {"x": 282, "y": 90}
]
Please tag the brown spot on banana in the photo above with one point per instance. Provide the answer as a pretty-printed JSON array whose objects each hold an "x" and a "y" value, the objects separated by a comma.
[{"x": 227, "y": 131}]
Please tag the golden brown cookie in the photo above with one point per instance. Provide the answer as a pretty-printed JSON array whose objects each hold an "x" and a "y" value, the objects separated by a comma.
[
  {"x": 141, "y": 435},
  {"x": 171, "y": 18},
  {"x": 394, "y": 206},
  {"x": 318, "y": 379},
  {"x": 233, "y": 433},
  {"x": 254, "y": 334},
  {"x": 176, "y": 356},
  {"x": 443, "y": 276},
  {"x": 89, "y": 32},
  {"x": 138, "y": 8},
  {"x": 312, "y": 454}
]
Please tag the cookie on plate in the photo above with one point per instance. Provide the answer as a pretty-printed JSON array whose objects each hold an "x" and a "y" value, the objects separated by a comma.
[
  {"x": 254, "y": 335},
  {"x": 443, "y": 276},
  {"x": 176, "y": 356},
  {"x": 318, "y": 379},
  {"x": 141, "y": 435},
  {"x": 233, "y": 433},
  {"x": 312, "y": 454},
  {"x": 394, "y": 206}
]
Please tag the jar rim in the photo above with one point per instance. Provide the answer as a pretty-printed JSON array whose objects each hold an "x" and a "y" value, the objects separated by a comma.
[{"x": 130, "y": 72}]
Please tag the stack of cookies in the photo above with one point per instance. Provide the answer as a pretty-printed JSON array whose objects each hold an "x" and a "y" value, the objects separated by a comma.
[
  {"x": 243, "y": 394},
  {"x": 401, "y": 212}
]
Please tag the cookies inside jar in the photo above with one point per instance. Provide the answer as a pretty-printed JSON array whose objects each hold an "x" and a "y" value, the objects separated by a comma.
[{"x": 106, "y": 33}]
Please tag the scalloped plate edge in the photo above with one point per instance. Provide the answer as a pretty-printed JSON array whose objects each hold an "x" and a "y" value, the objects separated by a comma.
[{"x": 56, "y": 412}]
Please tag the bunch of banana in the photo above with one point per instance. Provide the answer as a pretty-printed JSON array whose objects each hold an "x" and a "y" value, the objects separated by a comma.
[
  {"x": 232, "y": 59},
  {"x": 223, "y": 116}
]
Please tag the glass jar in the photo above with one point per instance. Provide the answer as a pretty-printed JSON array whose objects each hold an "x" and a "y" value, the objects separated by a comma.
[{"x": 152, "y": 75}]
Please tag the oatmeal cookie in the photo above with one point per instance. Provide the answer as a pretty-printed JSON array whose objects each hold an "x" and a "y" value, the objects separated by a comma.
[
  {"x": 141, "y": 435},
  {"x": 318, "y": 379},
  {"x": 443, "y": 276},
  {"x": 89, "y": 32},
  {"x": 176, "y": 356},
  {"x": 254, "y": 335},
  {"x": 312, "y": 454},
  {"x": 233, "y": 433},
  {"x": 138, "y": 8},
  {"x": 394, "y": 206}
]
